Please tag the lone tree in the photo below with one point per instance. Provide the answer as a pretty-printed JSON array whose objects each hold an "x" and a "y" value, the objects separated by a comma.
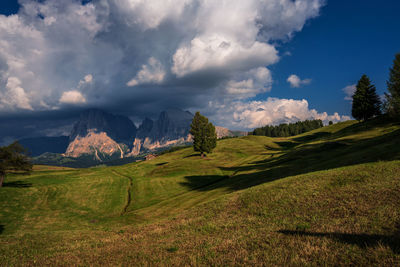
[
  {"x": 204, "y": 135},
  {"x": 393, "y": 85},
  {"x": 366, "y": 103},
  {"x": 13, "y": 158}
]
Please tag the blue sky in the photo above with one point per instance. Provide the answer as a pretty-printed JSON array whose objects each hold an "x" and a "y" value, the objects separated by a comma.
[
  {"x": 229, "y": 59},
  {"x": 9, "y": 7},
  {"x": 348, "y": 39}
]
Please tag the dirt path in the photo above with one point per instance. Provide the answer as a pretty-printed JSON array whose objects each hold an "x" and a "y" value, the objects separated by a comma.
[{"x": 128, "y": 202}]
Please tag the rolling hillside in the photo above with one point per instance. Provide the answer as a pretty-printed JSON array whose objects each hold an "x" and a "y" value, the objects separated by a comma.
[{"x": 329, "y": 197}]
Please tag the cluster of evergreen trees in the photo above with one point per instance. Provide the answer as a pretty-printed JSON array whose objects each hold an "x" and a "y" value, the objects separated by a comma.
[
  {"x": 366, "y": 102},
  {"x": 291, "y": 129}
]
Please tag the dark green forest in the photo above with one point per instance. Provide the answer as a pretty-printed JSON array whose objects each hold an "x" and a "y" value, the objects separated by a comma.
[{"x": 291, "y": 129}]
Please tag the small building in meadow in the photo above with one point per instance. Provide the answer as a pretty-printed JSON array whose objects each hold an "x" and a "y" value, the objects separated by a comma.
[{"x": 150, "y": 156}]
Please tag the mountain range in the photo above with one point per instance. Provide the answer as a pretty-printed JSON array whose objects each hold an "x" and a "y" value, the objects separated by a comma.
[{"x": 99, "y": 137}]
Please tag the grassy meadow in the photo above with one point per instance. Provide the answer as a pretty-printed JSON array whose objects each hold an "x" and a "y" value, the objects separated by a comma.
[{"x": 327, "y": 197}]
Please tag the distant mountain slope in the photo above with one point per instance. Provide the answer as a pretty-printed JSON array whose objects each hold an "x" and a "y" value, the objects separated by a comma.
[
  {"x": 99, "y": 136},
  {"x": 171, "y": 124},
  {"x": 225, "y": 132},
  {"x": 119, "y": 128},
  {"x": 171, "y": 128},
  {"x": 39, "y": 145},
  {"x": 102, "y": 135}
]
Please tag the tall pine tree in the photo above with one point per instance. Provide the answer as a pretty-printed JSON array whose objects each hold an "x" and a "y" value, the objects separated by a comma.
[
  {"x": 204, "y": 135},
  {"x": 366, "y": 103},
  {"x": 393, "y": 85}
]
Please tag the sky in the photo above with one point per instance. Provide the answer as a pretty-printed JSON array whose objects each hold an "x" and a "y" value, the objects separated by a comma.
[{"x": 244, "y": 64}]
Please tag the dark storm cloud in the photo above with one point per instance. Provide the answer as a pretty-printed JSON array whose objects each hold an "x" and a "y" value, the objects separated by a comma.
[{"x": 137, "y": 58}]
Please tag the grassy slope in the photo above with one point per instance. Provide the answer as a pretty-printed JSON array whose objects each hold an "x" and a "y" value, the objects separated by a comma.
[{"x": 255, "y": 200}]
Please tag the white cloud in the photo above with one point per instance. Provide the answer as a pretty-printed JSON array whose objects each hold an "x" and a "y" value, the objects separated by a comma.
[
  {"x": 153, "y": 72},
  {"x": 48, "y": 60},
  {"x": 249, "y": 115},
  {"x": 14, "y": 96},
  {"x": 349, "y": 91},
  {"x": 296, "y": 82},
  {"x": 199, "y": 50},
  {"x": 150, "y": 14},
  {"x": 88, "y": 78},
  {"x": 49, "y": 20},
  {"x": 217, "y": 52},
  {"x": 72, "y": 97},
  {"x": 253, "y": 82}
]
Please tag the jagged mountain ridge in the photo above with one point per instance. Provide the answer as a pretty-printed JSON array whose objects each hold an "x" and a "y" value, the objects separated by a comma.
[
  {"x": 103, "y": 136},
  {"x": 171, "y": 124},
  {"x": 171, "y": 128},
  {"x": 117, "y": 127}
]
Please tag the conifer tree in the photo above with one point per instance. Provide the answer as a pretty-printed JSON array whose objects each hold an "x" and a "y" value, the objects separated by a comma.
[
  {"x": 13, "y": 158},
  {"x": 393, "y": 85},
  {"x": 366, "y": 103},
  {"x": 204, "y": 135}
]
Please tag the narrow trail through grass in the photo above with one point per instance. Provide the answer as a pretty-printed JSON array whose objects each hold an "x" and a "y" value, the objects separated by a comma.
[{"x": 128, "y": 198}]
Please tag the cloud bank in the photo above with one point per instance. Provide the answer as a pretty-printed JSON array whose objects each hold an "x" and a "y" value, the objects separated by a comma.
[
  {"x": 249, "y": 115},
  {"x": 139, "y": 57}
]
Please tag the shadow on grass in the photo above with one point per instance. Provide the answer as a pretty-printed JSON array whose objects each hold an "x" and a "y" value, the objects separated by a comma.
[
  {"x": 286, "y": 145},
  {"x": 303, "y": 159},
  {"x": 17, "y": 184},
  {"x": 1, "y": 228},
  {"x": 161, "y": 163},
  {"x": 312, "y": 137},
  {"x": 204, "y": 183},
  {"x": 361, "y": 240},
  {"x": 193, "y": 155}
]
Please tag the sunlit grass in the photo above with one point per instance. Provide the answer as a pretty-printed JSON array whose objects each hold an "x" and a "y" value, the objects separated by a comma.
[{"x": 327, "y": 197}]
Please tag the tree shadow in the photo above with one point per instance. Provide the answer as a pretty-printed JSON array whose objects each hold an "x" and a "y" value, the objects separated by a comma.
[
  {"x": 303, "y": 159},
  {"x": 161, "y": 163},
  {"x": 17, "y": 184},
  {"x": 1, "y": 229},
  {"x": 192, "y": 155},
  {"x": 204, "y": 183},
  {"x": 361, "y": 240},
  {"x": 286, "y": 145},
  {"x": 312, "y": 137},
  {"x": 267, "y": 147}
]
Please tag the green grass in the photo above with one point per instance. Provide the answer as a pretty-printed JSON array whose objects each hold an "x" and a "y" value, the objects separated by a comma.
[{"x": 327, "y": 197}]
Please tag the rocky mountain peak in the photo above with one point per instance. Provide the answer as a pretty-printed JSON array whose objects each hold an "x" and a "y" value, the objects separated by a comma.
[
  {"x": 172, "y": 127},
  {"x": 119, "y": 128},
  {"x": 171, "y": 124}
]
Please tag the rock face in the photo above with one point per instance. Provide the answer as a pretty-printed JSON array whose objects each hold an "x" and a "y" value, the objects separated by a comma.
[
  {"x": 171, "y": 128},
  {"x": 101, "y": 134},
  {"x": 119, "y": 128},
  {"x": 105, "y": 136},
  {"x": 100, "y": 145},
  {"x": 225, "y": 132}
]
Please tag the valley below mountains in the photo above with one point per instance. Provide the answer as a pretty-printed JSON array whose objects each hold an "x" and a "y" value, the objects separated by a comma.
[{"x": 99, "y": 137}]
